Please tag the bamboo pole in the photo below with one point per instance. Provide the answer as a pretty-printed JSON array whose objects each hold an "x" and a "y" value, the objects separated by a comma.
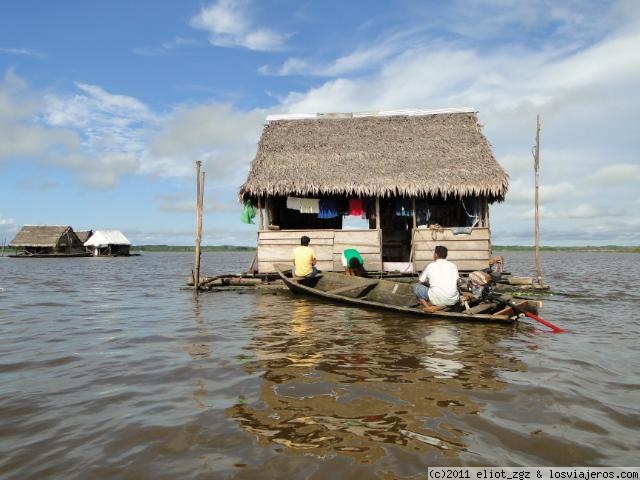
[
  {"x": 536, "y": 166},
  {"x": 199, "y": 204}
]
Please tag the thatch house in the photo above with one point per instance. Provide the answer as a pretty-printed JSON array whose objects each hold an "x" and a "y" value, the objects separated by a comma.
[
  {"x": 108, "y": 243},
  {"x": 420, "y": 177},
  {"x": 83, "y": 235},
  {"x": 37, "y": 240}
]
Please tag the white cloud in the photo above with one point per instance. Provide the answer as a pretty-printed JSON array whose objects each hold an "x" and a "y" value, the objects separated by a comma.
[
  {"x": 363, "y": 58},
  {"x": 20, "y": 134},
  {"x": 617, "y": 174},
  {"x": 25, "y": 52},
  {"x": 166, "y": 47},
  {"x": 522, "y": 191},
  {"x": 229, "y": 24},
  {"x": 8, "y": 229},
  {"x": 222, "y": 137},
  {"x": 178, "y": 203}
]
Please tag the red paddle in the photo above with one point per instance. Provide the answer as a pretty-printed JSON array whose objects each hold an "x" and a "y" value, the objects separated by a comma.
[{"x": 530, "y": 315}]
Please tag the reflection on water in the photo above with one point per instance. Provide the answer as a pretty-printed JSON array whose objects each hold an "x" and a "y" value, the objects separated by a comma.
[
  {"x": 444, "y": 341},
  {"x": 357, "y": 384},
  {"x": 110, "y": 369}
]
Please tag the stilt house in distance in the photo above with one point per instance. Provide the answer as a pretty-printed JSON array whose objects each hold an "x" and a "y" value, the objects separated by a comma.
[
  {"x": 420, "y": 177},
  {"x": 108, "y": 243},
  {"x": 38, "y": 240}
]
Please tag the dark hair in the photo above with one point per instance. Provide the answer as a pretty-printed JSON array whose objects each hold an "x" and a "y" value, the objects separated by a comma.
[
  {"x": 441, "y": 252},
  {"x": 304, "y": 240},
  {"x": 357, "y": 267},
  {"x": 354, "y": 263}
]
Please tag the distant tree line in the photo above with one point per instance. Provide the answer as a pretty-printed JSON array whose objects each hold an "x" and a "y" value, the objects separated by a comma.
[
  {"x": 190, "y": 248},
  {"x": 589, "y": 248}
]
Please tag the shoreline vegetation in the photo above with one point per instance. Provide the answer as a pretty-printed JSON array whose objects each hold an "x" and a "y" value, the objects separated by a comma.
[{"x": 496, "y": 248}]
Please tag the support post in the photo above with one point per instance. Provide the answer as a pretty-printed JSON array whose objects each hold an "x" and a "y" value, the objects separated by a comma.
[
  {"x": 267, "y": 213},
  {"x": 199, "y": 204},
  {"x": 536, "y": 166},
  {"x": 378, "y": 227},
  {"x": 413, "y": 235},
  {"x": 260, "y": 217}
]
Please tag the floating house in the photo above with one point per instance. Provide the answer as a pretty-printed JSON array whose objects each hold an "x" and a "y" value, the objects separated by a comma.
[
  {"x": 108, "y": 243},
  {"x": 47, "y": 240},
  {"x": 417, "y": 178},
  {"x": 83, "y": 235}
]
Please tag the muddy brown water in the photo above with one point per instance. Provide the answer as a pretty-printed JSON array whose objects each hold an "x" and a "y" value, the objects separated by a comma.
[{"x": 110, "y": 369}]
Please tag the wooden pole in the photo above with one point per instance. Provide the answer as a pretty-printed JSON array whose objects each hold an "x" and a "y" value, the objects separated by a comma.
[
  {"x": 413, "y": 234},
  {"x": 260, "y": 218},
  {"x": 267, "y": 213},
  {"x": 378, "y": 227},
  {"x": 199, "y": 204},
  {"x": 536, "y": 166}
]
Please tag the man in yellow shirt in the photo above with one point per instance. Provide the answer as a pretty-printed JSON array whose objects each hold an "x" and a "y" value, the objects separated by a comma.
[{"x": 304, "y": 259}]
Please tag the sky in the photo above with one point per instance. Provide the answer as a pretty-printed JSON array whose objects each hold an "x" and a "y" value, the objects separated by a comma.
[{"x": 105, "y": 106}]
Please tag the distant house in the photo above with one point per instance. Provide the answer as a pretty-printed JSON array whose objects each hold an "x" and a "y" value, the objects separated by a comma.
[
  {"x": 84, "y": 235},
  {"x": 108, "y": 243},
  {"x": 38, "y": 240}
]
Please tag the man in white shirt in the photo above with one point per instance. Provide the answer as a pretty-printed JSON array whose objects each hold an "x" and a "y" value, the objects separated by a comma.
[{"x": 438, "y": 282}]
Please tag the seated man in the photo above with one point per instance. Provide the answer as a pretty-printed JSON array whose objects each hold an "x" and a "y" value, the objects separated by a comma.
[
  {"x": 353, "y": 263},
  {"x": 438, "y": 282},
  {"x": 304, "y": 259}
]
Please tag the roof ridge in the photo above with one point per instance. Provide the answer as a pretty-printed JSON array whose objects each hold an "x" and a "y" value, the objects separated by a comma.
[{"x": 407, "y": 112}]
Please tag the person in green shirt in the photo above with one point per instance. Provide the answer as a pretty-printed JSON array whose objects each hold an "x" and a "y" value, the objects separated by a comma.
[{"x": 353, "y": 263}]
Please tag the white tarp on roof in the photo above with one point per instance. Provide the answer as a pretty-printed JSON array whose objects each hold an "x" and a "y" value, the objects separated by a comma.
[{"x": 103, "y": 238}]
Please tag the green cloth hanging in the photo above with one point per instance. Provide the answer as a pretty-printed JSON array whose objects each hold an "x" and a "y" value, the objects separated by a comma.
[{"x": 248, "y": 213}]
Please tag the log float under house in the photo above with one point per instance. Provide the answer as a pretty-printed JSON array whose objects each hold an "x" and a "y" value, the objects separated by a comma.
[{"x": 421, "y": 178}]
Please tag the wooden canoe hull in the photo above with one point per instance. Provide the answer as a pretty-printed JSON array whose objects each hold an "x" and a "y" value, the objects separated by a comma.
[{"x": 507, "y": 315}]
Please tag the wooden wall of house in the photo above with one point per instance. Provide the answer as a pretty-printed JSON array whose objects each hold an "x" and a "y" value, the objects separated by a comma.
[
  {"x": 468, "y": 251},
  {"x": 276, "y": 246}
]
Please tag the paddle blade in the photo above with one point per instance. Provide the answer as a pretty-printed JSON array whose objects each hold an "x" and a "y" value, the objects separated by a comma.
[{"x": 544, "y": 322}]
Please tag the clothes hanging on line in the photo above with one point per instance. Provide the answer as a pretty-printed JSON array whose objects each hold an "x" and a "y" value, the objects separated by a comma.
[
  {"x": 403, "y": 207},
  {"x": 248, "y": 213},
  {"x": 423, "y": 212},
  {"x": 355, "y": 206},
  {"x": 293, "y": 203},
  {"x": 328, "y": 208},
  {"x": 309, "y": 205}
]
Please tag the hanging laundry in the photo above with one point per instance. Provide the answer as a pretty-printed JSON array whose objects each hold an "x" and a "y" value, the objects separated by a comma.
[
  {"x": 293, "y": 203},
  {"x": 328, "y": 208},
  {"x": 423, "y": 212},
  {"x": 248, "y": 213},
  {"x": 403, "y": 207},
  {"x": 309, "y": 205},
  {"x": 355, "y": 206}
]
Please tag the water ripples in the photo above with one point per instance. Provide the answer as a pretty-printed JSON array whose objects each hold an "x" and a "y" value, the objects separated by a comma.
[{"x": 110, "y": 368}]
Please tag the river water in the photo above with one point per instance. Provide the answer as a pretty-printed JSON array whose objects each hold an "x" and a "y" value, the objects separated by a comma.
[{"x": 109, "y": 368}]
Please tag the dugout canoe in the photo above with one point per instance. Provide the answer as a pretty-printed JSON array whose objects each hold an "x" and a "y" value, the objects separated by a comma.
[{"x": 382, "y": 294}]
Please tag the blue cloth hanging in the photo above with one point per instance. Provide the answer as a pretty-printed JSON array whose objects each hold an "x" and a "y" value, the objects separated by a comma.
[{"x": 328, "y": 208}]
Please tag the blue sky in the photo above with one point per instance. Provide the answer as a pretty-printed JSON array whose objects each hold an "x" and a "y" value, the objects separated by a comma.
[{"x": 105, "y": 106}]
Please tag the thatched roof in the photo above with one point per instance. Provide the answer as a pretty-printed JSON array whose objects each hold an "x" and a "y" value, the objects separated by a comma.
[
  {"x": 39, "y": 235},
  {"x": 410, "y": 153},
  {"x": 83, "y": 235}
]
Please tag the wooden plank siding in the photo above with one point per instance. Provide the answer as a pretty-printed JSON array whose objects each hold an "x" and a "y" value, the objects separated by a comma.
[{"x": 468, "y": 251}]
